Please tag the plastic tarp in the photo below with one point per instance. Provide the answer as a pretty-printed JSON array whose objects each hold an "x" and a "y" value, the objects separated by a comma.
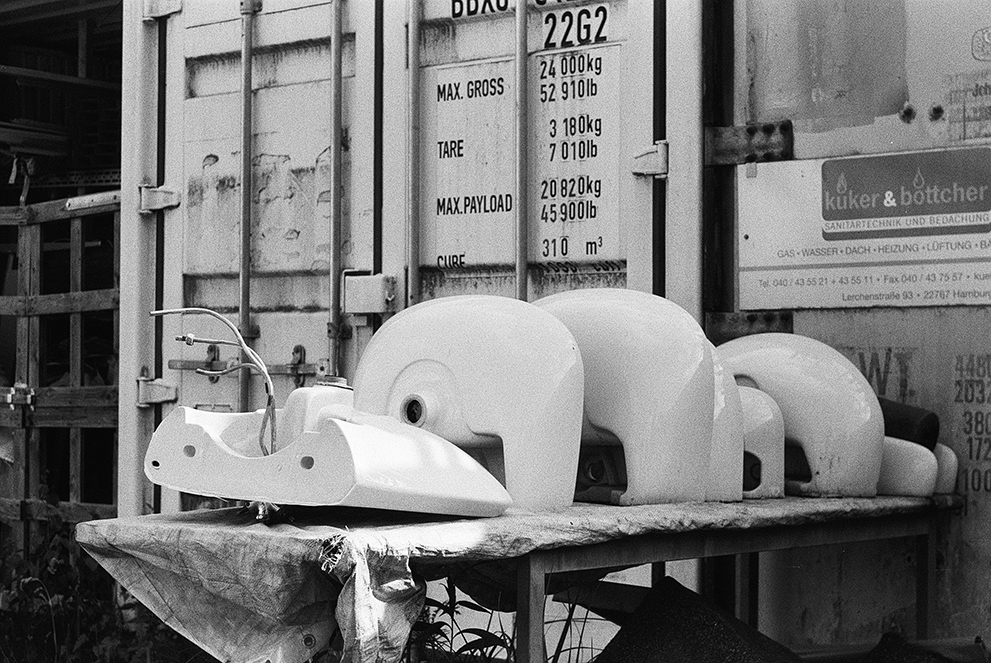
[{"x": 249, "y": 592}]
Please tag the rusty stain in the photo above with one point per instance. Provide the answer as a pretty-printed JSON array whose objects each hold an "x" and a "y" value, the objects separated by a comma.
[
  {"x": 291, "y": 234},
  {"x": 936, "y": 113},
  {"x": 210, "y": 160},
  {"x": 907, "y": 114},
  {"x": 227, "y": 183},
  {"x": 194, "y": 192}
]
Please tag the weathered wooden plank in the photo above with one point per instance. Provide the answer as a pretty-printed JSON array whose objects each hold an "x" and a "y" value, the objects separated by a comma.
[
  {"x": 54, "y": 397},
  {"x": 13, "y": 216},
  {"x": 72, "y": 417},
  {"x": 72, "y": 302},
  {"x": 63, "y": 302},
  {"x": 58, "y": 210},
  {"x": 11, "y": 418},
  {"x": 12, "y": 510}
]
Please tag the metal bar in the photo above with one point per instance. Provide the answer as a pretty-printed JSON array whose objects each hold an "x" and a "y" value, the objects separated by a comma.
[
  {"x": 336, "y": 268},
  {"x": 635, "y": 551},
  {"x": 413, "y": 163},
  {"x": 244, "y": 272},
  {"x": 48, "y": 77},
  {"x": 522, "y": 237},
  {"x": 683, "y": 223},
  {"x": 136, "y": 350}
]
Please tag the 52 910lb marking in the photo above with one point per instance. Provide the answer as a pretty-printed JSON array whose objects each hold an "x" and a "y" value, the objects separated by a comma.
[{"x": 575, "y": 27}]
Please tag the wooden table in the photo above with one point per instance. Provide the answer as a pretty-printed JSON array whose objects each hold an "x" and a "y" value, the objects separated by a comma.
[{"x": 183, "y": 566}]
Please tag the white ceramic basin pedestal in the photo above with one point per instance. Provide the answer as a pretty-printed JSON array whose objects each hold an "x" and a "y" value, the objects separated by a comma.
[
  {"x": 829, "y": 409},
  {"x": 764, "y": 439},
  {"x": 486, "y": 373},
  {"x": 648, "y": 384}
]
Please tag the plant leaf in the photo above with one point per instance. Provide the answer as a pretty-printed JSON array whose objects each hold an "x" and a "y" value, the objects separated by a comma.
[
  {"x": 473, "y": 606},
  {"x": 483, "y": 641}
]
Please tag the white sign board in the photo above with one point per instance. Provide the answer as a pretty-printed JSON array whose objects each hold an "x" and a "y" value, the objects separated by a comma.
[{"x": 892, "y": 230}]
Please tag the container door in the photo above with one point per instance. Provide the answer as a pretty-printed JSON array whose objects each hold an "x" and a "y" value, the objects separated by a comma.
[
  {"x": 190, "y": 71},
  {"x": 591, "y": 102}
]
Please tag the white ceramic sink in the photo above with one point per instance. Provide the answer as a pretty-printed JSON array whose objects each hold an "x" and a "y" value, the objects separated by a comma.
[
  {"x": 492, "y": 374},
  {"x": 947, "y": 463},
  {"x": 907, "y": 468},
  {"x": 829, "y": 409},
  {"x": 726, "y": 459},
  {"x": 764, "y": 441},
  {"x": 648, "y": 385},
  {"x": 328, "y": 454}
]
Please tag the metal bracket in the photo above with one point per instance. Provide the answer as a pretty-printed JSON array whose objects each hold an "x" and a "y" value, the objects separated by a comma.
[
  {"x": 653, "y": 162},
  {"x": 154, "y": 198},
  {"x": 155, "y": 390},
  {"x": 369, "y": 293},
  {"x": 160, "y": 9},
  {"x": 297, "y": 367},
  {"x": 19, "y": 395},
  {"x": 212, "y": 363},
  {"x": 771, "y": 141}
]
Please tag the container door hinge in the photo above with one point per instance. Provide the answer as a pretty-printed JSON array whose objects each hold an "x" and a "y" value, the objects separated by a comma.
[
  {"x": 770, "y": 141},
  {"x": 653, "y": 162},
  {"x": 154, "y": 198},
  {"x": 160, "y": 8},
  {"x": 155, "y": 390}
]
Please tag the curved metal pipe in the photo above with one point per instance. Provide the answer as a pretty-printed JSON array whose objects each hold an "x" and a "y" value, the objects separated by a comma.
[
  {"x": 336, "y": 269},
  {"x": 522, "y": 238},
  {"x": 413, "y": 163},
  {"x": 244, "y": 271}
]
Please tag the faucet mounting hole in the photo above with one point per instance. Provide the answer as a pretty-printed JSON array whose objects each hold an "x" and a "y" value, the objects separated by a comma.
[
  {"x": 189, "y": 450},
  {"x": 306, "y": 462},
  {"x": 412, "y": 411}
]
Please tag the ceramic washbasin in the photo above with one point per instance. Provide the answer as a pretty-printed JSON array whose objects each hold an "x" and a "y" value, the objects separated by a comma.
[
  {"x": 648, "y": 387},
  {"x": 328, "y": 454},
  {"x": 726, "y": 459},
  {"x": 907, "y": 468},
  {"x": 496, "y": 375},
  {"x": 828, "y": 407},
  {"x": 763, "y": 445}
]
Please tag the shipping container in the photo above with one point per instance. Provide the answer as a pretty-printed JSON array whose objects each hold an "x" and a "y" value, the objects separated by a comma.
[{"x": 817, "y": 167}]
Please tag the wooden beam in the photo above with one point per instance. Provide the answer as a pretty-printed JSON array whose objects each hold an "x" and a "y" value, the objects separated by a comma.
[
  {"x": 62, "y": 302},
  {"x": 72, "y": 417},
  {"x": 60, "y": 79},
  {"x": 39, "y": 510},
  {"x": 55, "y": 397},
  {"x": 62, "y": 12}
]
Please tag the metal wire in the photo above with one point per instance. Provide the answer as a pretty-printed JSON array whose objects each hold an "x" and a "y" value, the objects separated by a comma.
[{"x": 254, "y": 362}]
